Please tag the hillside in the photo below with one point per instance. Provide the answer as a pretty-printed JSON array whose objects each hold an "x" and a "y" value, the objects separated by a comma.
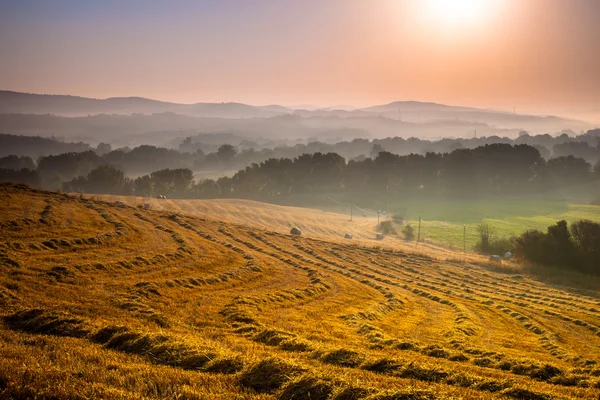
[
  {"x": 100, "y": 300},
  {"x": 442, "y": 220},
  {"x": 331, "y": 226}
]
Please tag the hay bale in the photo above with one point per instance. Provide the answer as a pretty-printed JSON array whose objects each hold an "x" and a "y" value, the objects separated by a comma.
[
  {"x": 295, "y": 231},
  {"x": 379, "y": 236},
  {"x": 496, "y": 259},
  {"x": 348, "y": 236}
]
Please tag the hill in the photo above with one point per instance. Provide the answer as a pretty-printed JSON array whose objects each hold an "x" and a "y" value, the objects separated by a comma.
[
  {"x": 101, "y": 300},
  {"x": 404, "y": 118},
  {"x": 442, "y": 224},
  {"x": 415, "y": 111},
  {"x": 72, "y": 106}
]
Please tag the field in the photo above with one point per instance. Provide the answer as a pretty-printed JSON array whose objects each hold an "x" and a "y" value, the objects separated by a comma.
[
  {"x": 442, "y": 221},
  {"x": 214, "y": 300}
]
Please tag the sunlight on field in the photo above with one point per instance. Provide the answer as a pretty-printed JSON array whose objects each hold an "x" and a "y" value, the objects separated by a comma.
[
  {"x": 327, "y": 225},
  {"x": 100, "y": 300}
]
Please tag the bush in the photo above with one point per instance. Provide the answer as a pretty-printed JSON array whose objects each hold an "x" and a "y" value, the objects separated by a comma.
[
  {"x": 531, "y": 246},
  {"x": 409, "y": 233},
  {"x": 487, "y": 244},
  {"x": 387, "y": 228},
  {"x": 485, "y": 232}
]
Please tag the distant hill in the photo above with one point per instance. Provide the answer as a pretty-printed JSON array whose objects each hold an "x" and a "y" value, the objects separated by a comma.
[
  {"x": 118, "y": 119},
  {"x": 73, "y": 106},
  {"x": 421, "y": 112}
]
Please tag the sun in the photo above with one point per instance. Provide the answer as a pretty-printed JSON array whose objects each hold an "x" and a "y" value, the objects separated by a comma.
[{"x": 457, "y": 12}]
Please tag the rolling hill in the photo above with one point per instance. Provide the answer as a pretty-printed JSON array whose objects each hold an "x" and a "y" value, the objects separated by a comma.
[
  {"x": 75, "y": 106},
  {"x": 413, "y": 112},
  {"x": 106, "y": 300}
]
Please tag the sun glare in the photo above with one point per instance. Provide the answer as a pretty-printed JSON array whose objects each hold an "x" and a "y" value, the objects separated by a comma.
[{"x": 453, "y": 13}]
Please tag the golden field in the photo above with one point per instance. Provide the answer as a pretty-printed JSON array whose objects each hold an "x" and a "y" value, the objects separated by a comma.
[{"x": 214, "y": 300}]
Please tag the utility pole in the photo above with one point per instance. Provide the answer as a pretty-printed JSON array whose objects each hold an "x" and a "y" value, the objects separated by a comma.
[
  {"x": 419, "y": 232},
  {"x": 378, "y": 218},
  {"x": 351, "y": 211},
  {"x": 464, "y": 238}
]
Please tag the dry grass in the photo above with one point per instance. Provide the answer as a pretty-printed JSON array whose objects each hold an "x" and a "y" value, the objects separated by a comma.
[{"x": 101, "y": 301}]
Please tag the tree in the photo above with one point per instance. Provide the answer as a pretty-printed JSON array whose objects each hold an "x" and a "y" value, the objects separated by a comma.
[
  {"x": 103, "y": 148},
  {"x": 568, "y": 169},
  {"x": 486, "y": 233},
  {"x": 409, "y": 233},
  {"x": 17, "y": 163},
  {"x": 54, "y": 170},
  {"x": 106, "y": 179},
  {"x": 375, "y": 150},
  {"x": 172, "y": 182},
  {"x": 25, "y": 176},
  {"x": 586, "y": 238},
  {"x": 143, "y": 186},
  {"x": 226, "y": 154}
]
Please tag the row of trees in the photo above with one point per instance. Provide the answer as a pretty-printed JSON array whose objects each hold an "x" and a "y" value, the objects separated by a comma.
[
  {"x": 488, "y": 170},
  {"x": 192, "y": 154},
  {"x": 493, "y": 169},
  {"x": 107, "y": 179},
  {"x": 497, "y": 169}
]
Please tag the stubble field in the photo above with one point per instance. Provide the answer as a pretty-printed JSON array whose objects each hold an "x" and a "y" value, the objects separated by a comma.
[{"x": 99, "y": 300}]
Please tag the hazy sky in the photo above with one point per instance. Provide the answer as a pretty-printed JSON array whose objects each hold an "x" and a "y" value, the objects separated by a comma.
[{"x": 538, "y": 55}]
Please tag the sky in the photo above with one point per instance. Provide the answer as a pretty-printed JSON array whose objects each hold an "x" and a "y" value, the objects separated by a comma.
[{"x": 539, "y": 56}]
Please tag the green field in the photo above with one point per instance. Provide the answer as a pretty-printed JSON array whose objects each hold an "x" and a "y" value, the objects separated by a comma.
[{"x": 443, "y": 221}]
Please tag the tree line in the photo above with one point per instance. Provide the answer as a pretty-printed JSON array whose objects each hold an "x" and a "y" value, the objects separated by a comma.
[
  {"x": 496, "y": 170},
  {"x": 227, "y": 152}
]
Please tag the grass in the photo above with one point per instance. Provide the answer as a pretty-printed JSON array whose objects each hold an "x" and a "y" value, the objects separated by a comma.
[
  {"x": 177, "y": 303},
  {"x": 443, "y": 221}
]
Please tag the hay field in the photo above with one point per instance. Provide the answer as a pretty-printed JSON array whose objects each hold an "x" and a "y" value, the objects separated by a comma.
[
  {"x": 105, "y": 301},
  {"x": 330, "y": 226}
]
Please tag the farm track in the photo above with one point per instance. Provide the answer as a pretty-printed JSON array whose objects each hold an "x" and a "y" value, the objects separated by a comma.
[{"x": 215, "y": 304}]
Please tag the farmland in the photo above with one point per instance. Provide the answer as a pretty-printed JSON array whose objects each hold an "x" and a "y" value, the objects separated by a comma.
[
  {"x": 442, "y": 220},
  {"x": 214, "y": 300}
]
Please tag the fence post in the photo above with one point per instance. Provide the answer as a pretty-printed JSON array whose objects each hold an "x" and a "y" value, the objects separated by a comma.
[{"x": 419, "y": 232}]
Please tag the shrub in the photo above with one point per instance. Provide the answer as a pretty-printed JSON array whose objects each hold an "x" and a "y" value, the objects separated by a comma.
[
  {"x": 409, "y": 233},
  {"x": 487, "y": 244},
  {"x": 531, "y": 246},
  {"x": 485, "y": 232},
  {"x": 387, "y": 228}
]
